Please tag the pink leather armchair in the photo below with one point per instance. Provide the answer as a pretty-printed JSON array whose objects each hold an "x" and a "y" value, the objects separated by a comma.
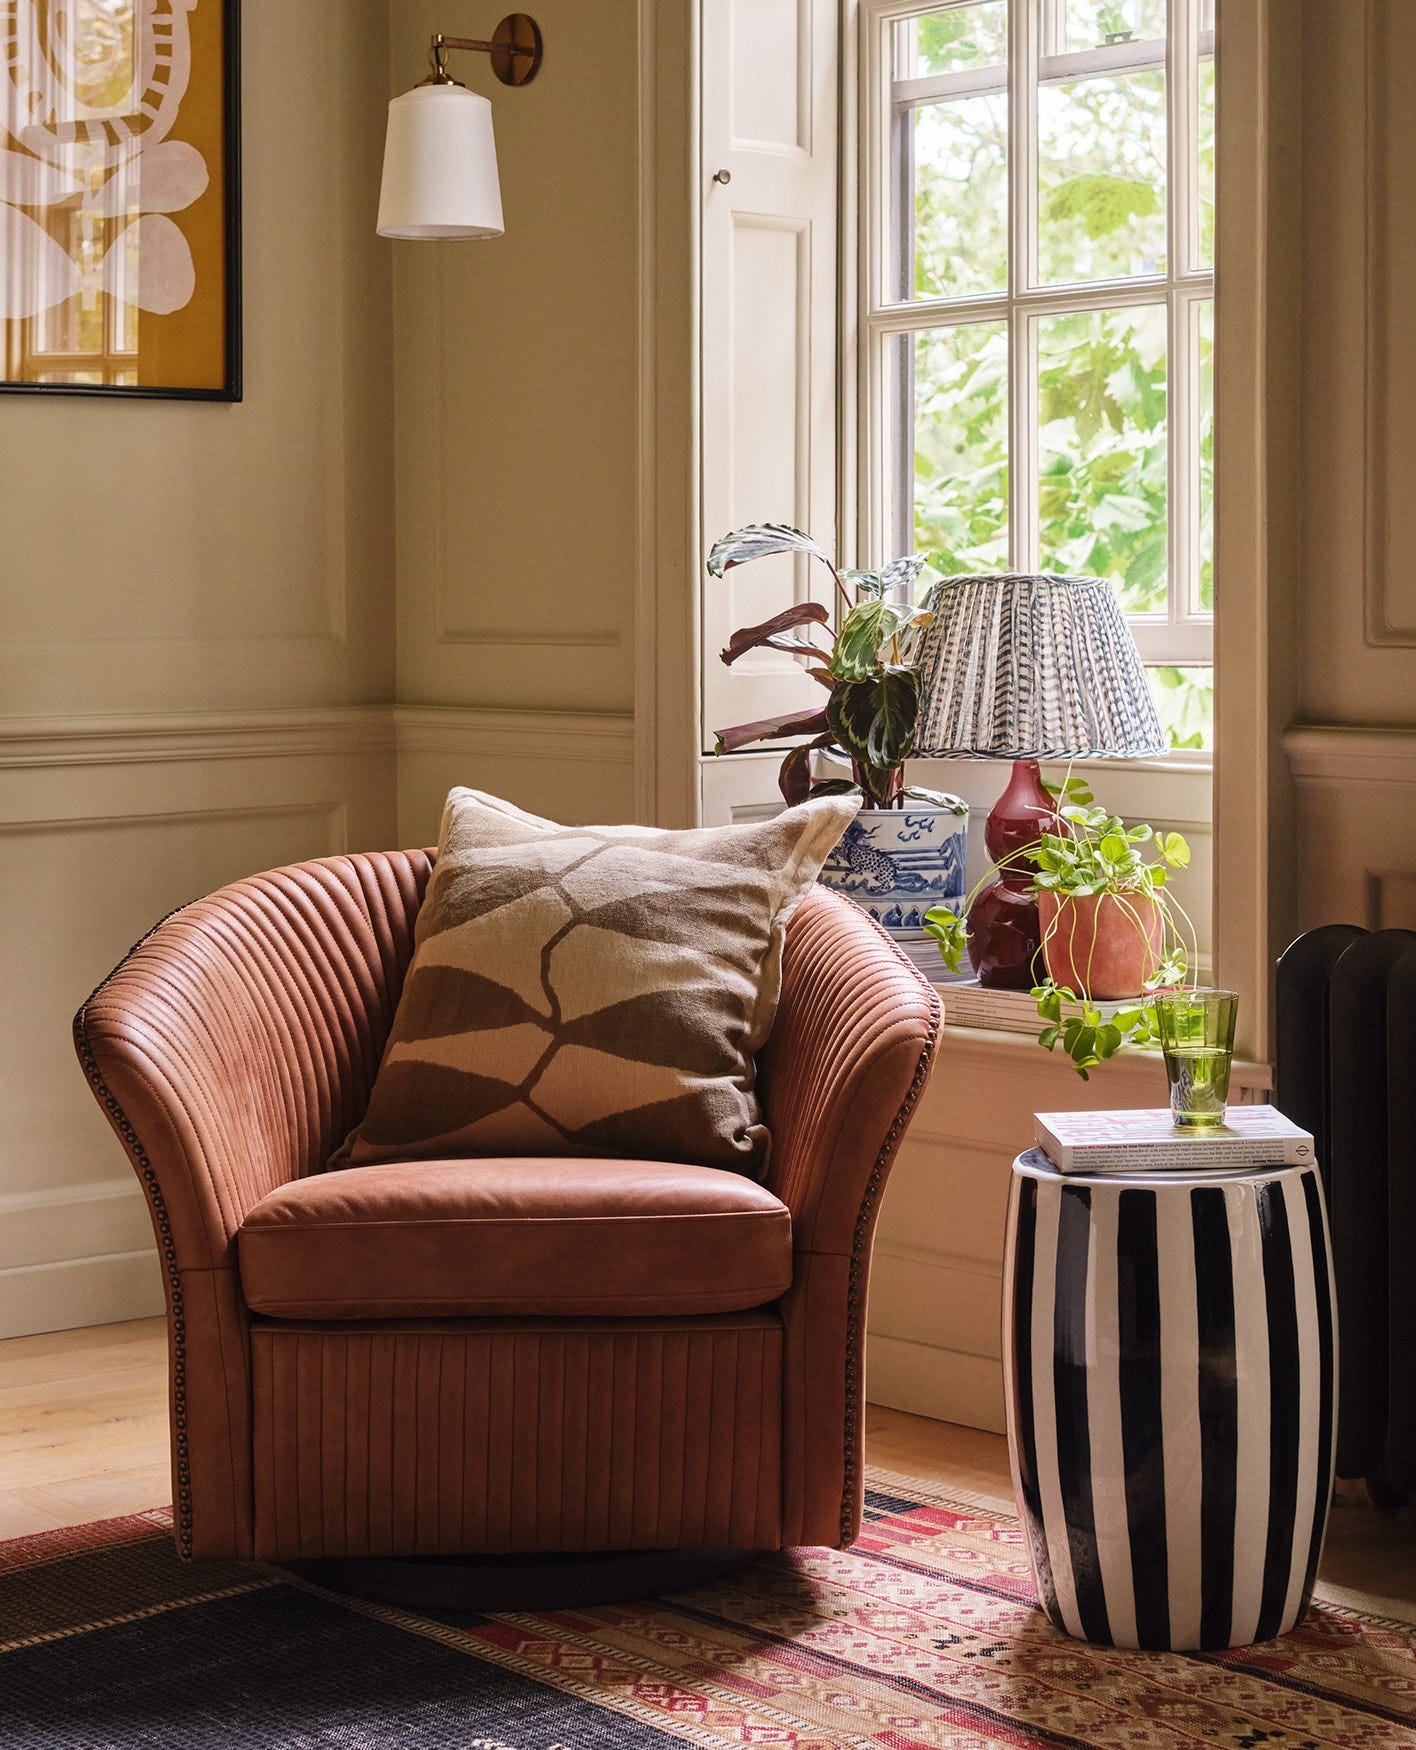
[{"x": 456, "y": 1358}]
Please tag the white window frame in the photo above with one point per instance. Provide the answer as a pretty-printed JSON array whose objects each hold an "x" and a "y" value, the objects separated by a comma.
[{"x": 1183, "y": 635}]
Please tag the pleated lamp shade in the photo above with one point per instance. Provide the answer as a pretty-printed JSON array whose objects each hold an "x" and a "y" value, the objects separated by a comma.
[
  {"x": 1038, "y": 667},
  {"x": 440, "y": 166}
]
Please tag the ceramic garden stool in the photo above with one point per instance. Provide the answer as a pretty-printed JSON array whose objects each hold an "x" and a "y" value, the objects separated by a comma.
[{"x": 1169, "y": 1348}]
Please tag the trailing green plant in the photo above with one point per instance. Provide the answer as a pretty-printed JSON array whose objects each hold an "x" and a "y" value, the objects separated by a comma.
[
  {"x": 1093, "y": 854},
  {"x": 870, "y": 717}
]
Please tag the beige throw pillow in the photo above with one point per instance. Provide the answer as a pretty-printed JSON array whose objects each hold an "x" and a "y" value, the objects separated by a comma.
[{"x": 596, "y": 990}]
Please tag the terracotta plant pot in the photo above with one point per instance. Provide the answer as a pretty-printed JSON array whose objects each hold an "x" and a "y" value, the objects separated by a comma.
[{"x": 1102, "y": 945}]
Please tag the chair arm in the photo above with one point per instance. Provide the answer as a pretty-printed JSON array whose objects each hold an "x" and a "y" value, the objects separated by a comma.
[
  {"x": 231, "y": 1051},
  {"x": 849, "y": 1056}
]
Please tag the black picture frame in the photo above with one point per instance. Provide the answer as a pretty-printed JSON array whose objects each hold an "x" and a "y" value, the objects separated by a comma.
[{"x": 232, "y": 387}]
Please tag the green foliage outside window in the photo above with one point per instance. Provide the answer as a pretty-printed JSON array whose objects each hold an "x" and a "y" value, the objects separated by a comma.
[{"x": 1102, "y": 374}]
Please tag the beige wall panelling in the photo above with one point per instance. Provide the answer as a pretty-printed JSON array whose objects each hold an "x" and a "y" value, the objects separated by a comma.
[
  {"x": 227, "y": 572},
  {"x": 666, "y": 659},
  {"x": 1357, "y": 800},
  {"x": 568, "y": 766},
  {"x": 1351, "y": 753},
  {"x": 1258, "y": 510},
  {"x": 517, "y": 399},
  {"x": 182, "y": 556},
  {"x": 105, "y": 827},
  {"x": 1359, "y": 361}
]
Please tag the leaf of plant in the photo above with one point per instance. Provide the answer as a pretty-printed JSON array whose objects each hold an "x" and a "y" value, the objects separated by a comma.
[
  {"x": 950, "y": 932},
  {"x": 903, "y": 573},
  {"x": 1175, "y": 851},
  {"x": 864, "y": 632},
  {"x": 936, "y": 798},
  {"x": 794, "y": 779},
  {"x": 757, "y": 541},
  {"x": 751, "y": 637},
  {"x": 875, "y": 720},
  {"x": 771, "y": 729},
  {"x": 834, "y": 787}
]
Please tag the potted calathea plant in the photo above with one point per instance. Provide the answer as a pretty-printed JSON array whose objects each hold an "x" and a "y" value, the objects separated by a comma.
[
  {"x": 904, "y": 853},
  {"x": 1113, "y": 932}
]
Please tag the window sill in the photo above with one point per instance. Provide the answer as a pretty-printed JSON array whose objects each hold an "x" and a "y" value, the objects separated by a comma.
[{"x": 1250, "y": 1084}]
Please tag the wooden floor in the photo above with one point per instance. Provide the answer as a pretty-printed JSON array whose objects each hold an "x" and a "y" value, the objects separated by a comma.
[{"x": 83, "y": 1435}]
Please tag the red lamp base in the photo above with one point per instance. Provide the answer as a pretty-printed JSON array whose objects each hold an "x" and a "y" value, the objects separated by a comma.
[{"x": 1005, "y": 932}]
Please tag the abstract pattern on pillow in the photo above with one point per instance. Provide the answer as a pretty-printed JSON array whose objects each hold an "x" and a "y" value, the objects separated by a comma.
[{"x": 592, "y": 990}]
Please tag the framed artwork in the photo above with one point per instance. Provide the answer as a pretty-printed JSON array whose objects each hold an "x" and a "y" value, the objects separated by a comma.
[{"x": 120, "y": 228}]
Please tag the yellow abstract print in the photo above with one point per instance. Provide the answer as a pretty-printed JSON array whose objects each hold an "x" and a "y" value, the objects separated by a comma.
[{"x": 116, "y": 224}]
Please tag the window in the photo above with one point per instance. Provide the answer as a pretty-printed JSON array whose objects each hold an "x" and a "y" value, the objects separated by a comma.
[{"x": 1038, "y": 210}]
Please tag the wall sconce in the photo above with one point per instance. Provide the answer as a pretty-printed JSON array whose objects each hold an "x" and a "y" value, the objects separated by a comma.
[{"x": 440, "y": 160}]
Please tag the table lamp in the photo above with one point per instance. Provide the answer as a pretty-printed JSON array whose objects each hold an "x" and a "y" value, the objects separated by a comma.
[{"x": 1027, "y": 668}]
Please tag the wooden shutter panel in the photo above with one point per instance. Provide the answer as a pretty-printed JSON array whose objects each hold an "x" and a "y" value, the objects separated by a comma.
[{"x": 769, "y": 329}]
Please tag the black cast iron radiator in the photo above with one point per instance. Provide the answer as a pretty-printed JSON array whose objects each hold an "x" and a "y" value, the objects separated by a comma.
[{"x": 1346, "y": 1070}]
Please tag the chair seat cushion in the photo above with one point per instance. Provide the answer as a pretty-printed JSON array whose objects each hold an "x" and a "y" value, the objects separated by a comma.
[{"x": 571, "y": 1238}]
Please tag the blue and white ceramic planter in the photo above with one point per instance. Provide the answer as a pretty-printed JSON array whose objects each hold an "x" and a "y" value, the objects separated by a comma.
[{"x": 898, "y": 863}]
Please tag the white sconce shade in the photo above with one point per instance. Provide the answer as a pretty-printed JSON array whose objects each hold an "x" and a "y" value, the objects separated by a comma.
[{"x": 440, "y": 166}]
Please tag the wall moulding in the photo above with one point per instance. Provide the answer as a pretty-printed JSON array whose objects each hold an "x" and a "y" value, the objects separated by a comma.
[
  {"x": 599, "y": 738},
  {"x": 76, "y": 1254},
  {"x": 1351, "y": 753},
  {"x": 1356, "y": 795},
  {"x": 1389, "y": 353},
  {"x": 160, "y": 738}
]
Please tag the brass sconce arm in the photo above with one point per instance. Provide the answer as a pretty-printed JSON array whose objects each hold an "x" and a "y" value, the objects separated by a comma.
[{"x": 514, "y": 49}]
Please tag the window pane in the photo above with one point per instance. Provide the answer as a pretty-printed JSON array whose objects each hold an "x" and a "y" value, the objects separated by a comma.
[
  {"x": 948, "y": 42},
  {"x": 959, "y": 207},
  {"x": 1206, "y": 351},
  {"x": 1184, "y": 702},
  {"x": 960, "y": 441},
  {"x": 1101, "y": 177},
  {"x": 1206, "y": 90},
  {"x": 1091, "y": 22},
  {"x": 1102, "y": 460}
]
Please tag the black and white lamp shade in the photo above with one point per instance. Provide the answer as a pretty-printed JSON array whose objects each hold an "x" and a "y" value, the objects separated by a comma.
[
  {"x": 1170, "y": 1357},
  {"x": 1033, "y": 666}
]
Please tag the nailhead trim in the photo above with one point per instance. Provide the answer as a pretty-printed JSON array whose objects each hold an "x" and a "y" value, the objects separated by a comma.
[
  {"x": 860, "y": 1247},
  {"x": 177, "y": 1323}
]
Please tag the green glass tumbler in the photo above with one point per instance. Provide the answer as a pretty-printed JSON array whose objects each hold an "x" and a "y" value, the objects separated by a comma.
[{"x": 1197, "y": 1039}]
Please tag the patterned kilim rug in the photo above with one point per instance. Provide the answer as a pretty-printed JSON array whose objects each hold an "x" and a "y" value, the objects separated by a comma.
[{"x": 923, "y": 1635}]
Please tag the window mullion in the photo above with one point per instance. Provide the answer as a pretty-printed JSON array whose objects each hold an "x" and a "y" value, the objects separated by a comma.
[
  {"x": 1185, "y": 598},
  {"x": 1183, "y": 92},
  {"x": 1052, "y": 28},
  {"x": 1025, "y": 22},
  {"x": 1180, "y": 426}
]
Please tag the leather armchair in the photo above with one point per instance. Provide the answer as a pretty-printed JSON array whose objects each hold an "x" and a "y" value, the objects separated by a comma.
[{"x": 234, "y": 1048}]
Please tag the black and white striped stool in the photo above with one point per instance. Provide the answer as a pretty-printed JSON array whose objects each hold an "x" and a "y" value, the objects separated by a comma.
[{"x": 1169, "y": 1346}]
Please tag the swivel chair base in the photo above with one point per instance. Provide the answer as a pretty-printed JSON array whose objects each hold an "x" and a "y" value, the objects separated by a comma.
[{"x": 555, "y": 1581}]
